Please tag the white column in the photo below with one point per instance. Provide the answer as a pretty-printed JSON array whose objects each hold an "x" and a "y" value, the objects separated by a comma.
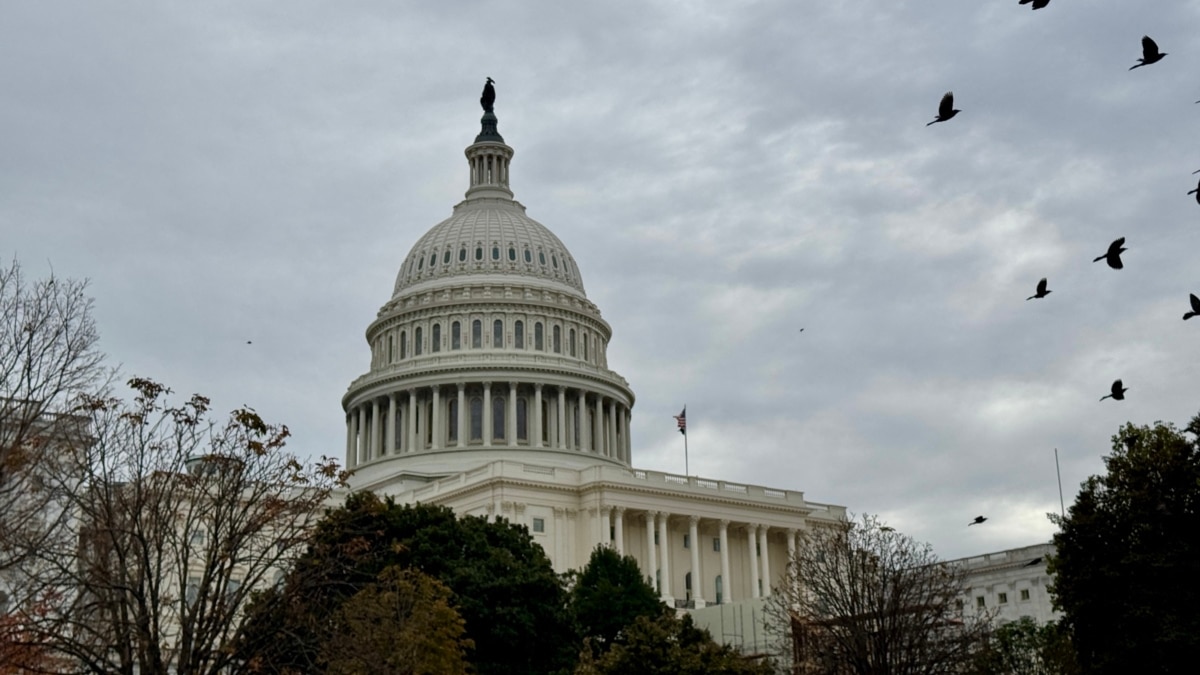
[
  {"x": 598, "y": 431},
  {"x": 351, "y": 440},
  {"x": 511, "y": 409},
  {"x": 628, "y": 439},
  {"x": 537, "y": 415},
  {"x": 752, "y": 540},
  {"x": 697, "y": 576},
  {"x": 791, "y": 545},
  {"x": 605, "y": 526},
  {"x": 463, "y": 415},
  {"x": 562, "y": 419},
  {"x": 376, "y": 425},
  {"x": 651, "y": 556},
  {"x": 363, "y": 438},
  {"x": 435, "y": 425},
  {"x": 390, "y": 427},
  {"x": 765, "y": 556},
  {"x": 726, "y": 582},
  {"x": 411, "y": 422},
  {"x": 664, "y": 550},
  {"x": 613, "y": 452},
  {"x": 581, "y": 407},
  {"x": 487, "y": 413},
  {"x": 619, "y": 529}
]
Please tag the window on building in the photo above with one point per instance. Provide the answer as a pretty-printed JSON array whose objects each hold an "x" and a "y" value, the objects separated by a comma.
[
  {"x": 232, "y": 586},
  {"x": 479, "y": 253},
  {"x": 1003, "y": 598},
  {"x": 193, "y": 589},
  {"x": 446, "y": 257},
  {"x": 575, "y": 423},
  {"x": 557, "y": 340},
  {"x": 720, "y": 590},
  {"x": 391, "y": 356},
  {"x": 498, "y": 418},
  {"x": 519, "y": 334},
  {"x": 522, "y": 423},
  {"x": 477, "y": 419},
  {"x": 716, "y": 544},
  {"x": 417, "y": 346},
  {"x": 542, "y": 258},
  {"x": 572, "y": 341},
  {"x": 462, "y": 254},
  {"x": 476, "y": 334},
  {"x": 456, "y": 335},
  {"x": 537, "y": 337},
  {"x": 512, "y": 254},
  {"x": 196, "y": 538},
  {"x": 687, "y": 543},
  {"x": 528, "y": 257},
  {"x": 403, "y": 345},
  {"x": 452, "y": 421},
  {"x": 432, "y": 260},
  {"x": 436, "y": 338},
  {"x": 498, "y": 334},
  {"x": 1025, "y": 594},
  {"x": 585, "y": 347},
  {"x": 980, "y": 602},
  {"x": 495, "y": 253},
  {"x": 539, "y": 525}
]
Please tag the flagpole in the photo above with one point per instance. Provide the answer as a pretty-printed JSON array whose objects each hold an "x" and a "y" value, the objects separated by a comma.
[{"x": 685, "y": 455}]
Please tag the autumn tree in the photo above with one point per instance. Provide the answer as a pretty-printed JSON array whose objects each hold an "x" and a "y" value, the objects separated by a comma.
[
  {"x": 1127, "y": 556},
  {"x": 860, "y": 597},
  {"x": 174, "y": 519},
  {"x": 664, "y": 644},
  {"x": 609, "y": 594}
]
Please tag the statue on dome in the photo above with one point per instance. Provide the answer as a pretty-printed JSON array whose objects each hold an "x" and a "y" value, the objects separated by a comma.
[{"x": 489, "y": 96}]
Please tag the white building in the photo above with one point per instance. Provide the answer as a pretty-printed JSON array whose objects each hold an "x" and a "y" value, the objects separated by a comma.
[
  {"x": 1012, "y": 583},
  {"x": 489, "y": 391}
]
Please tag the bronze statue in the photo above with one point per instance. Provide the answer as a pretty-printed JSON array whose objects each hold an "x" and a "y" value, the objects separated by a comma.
[{"x": 489, "y": 96}]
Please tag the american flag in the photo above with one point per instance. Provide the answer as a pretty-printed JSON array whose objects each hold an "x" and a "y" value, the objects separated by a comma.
[{"x": 681, "y": 418}]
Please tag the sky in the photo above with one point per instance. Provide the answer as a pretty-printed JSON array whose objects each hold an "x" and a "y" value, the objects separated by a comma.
[{"x": 724, "y": 173}]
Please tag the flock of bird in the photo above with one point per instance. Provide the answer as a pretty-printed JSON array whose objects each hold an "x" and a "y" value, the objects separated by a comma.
[{"x": 1150, "y": 55}]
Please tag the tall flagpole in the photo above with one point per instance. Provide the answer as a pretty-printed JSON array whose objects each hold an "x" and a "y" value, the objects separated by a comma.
[
  {"x": 685, "y": 454},
  {"x": 681, "y": 421}
]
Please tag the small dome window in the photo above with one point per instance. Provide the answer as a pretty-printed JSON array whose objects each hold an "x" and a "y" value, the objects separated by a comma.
[
  {"x": 433, "y": 260},
  {"x": 512, "y": 253},
  {"x": 554, "y": 259},
  {"x": 462, "y": 254},
  {"x": 495, "y": 253},
  {"x": 542, "y": 257},
  {"x": 446, "y": 257},
  {"x": 420, "y": 263},
  {"x": 528, "y": 256},
  {"x": 479, "y": 253}
]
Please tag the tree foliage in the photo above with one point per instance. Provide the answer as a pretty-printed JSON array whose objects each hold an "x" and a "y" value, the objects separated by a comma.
[
  {"x": 1128, "y": 556},
  {"x": 174, "y": 519},
  {"x": 664, "y": 644},
  {"x": 610, "y": 593},
  {"x": 859, "y": 597},
  {"x": 504, "y": 587},
  {"x": 1023, "y": 647}
]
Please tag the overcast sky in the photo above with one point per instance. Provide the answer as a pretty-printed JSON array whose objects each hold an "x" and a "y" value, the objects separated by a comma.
[{"x": 725, "y": 174}]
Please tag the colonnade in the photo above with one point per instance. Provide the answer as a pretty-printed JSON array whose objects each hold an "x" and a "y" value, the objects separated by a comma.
[{"x": 487, "y": 414}]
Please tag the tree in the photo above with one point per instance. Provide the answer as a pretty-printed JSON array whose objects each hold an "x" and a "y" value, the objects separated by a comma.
[
  {"x": 400, "y": 625},
  {"x": 175, "y": 518},
  {"x": 504, "y": 587},
  {"x": 860, "y": 597},
  {"x": 1127, "y": 555},
  {"x": 609, "y": 594},
  {"x": 1025, "y": 648},
  {"x": 48, "y": 360},
  {"x": 664, "y": 644}
]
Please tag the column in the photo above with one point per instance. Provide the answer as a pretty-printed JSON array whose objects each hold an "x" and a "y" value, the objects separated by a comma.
[
  {"x": 562, "y": 419},
  {"x": 511, "y": 409},
  {"x": 581, "y": 407},
  {"x": 351, "y": 440},
  {"x": 664, "y": 551},
  {"x": 613, "y": 452},
  {"x": 651, "y": 558},
  {"x": 605, "y": 526},
  {"x": 765, "y": 556},
  {"x": 697, "y": 576},
  {"x": 487, "y": 413},
  {"x": 726, "y": 582},
  {"x": 598, "y": 430},
  {"x": 435, "y": 424},
  {"x": 791, "y": 545},
  {"x": 537, "y": 415},
  {"x": 752, "y": 539},
  {"x": 376, "y": 425},
  {"x": 628, "y": 439},
  {"x": 619, "y": 529},
  {"x": 411, "y": 414},
  {"x": 390, "y": 427},
  {"x": 463, "y": 415},
  {"x": 363, "y": 448}
]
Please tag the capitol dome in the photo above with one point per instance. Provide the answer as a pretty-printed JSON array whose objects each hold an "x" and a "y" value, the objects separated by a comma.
[{"x": 488, "y": 348}]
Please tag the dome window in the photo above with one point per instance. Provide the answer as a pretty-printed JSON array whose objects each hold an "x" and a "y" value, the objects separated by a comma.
[
  {"x": 479, "y": 253},
  {"x": 446, "y": 257},
  {"x": 537, "y": 337},
  {"x": 557, "y": 340},
  {"x": 417, "y": 341},
  {"x": 436, "y": 338},
  {"x": 554, "y": 259},
  {"x": 498, "y": 334},
  {"x": 498, "y": 418},
  {"x": 495, "y": 253},
  {"x": 476, "y": 334},
  {"x": 433, "y": 260},
  {"x": 572, "y": 342},
  {"x": 476, "y": 419},
  {"x": 456, "y": 335},
  {"x": 519, "y": 335},
  {"x": 420, "y": 264},
  {"x": 542, "y": 257},
  {"x": 528, "y": 257},
  {"x": 585, "y": 347},
  {"x": 403, "y": 345},
  {"x": 462, "y": 254},
  {"x": 512, "y": 254},
  {"x": 522, "y": 420},
  {"x": 452, "y": 421}
]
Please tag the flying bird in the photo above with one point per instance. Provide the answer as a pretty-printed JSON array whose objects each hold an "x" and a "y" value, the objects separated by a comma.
[
  {"x": 978, "y": 521},
  {"x": 1113, "y": 256},
  {"x": 945, "y": 109},
  {"x": 249, "y": 342},
  {"x": 1118, "y": 392},
  {"x": 1195, "y": 307},
  {"x": 1150, "y": 53},
  {"x": 1041, "y": 291},
  {"x": 489, "y": 96},
  {"x": 1037, "y": 4},
  {"x": 1196, "y": 192}
]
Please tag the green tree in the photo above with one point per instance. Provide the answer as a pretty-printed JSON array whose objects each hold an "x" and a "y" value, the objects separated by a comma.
[
  {"x": 400, "y": 625},
  {"x": 1128, "y": 556},
  {"x": 504, "y": 587},
  {"x": 668, "y": 645},
  {"x": 1023, "y": 647},
  {"x": 609, "y": 594}
]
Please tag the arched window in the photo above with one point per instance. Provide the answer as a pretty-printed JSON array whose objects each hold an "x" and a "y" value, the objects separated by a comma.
[
  {"x": 452, "y": 421},
  {"x": 528, "y": 257},
  {"x": 519, "y": 335},
  {"x": 476, "y": 419},
  {"x": 497, "y": 334},
  {"x": 403, "y": 345},
  {"x": 446, "y": 257},
  {"x": 585, "y": 346},
  {"x": 557, "y": 340},
  {"x": 420, "y": 264},
  {"x": 537, "y": 337},
  {"x": 455, "y": 335},
  {"x": 575, "y": 423},
  {"x": 498, "y": 418},
  {"x": 512, "y": 254},
  {"x": 572, "y": 342},
  {"x": 522, "y": 424},
  {"x": 720, "y": 590},
  {"x": 476, "y": 334},
  {"x": 417, "y": 342},
  {"x": 495, "y": 252},
  {"x": 436, "y": 338},
  {"x": 554, "y": 259},
  {"x": 390, "y": 353},
  {"x": 479, "y": 253},
  {"x": 432, "y": 260},
  {"x": 542, "y": 258},
  {"x": 462, "y": 254}
]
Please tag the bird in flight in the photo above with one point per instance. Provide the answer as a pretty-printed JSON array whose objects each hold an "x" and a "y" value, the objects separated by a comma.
[
  {"x": 1195, "y": 307},
  {"x": 1037, "y": 4},
  {"x": 1042, "y": 291},
  {"x": 1118, "y": 392},
  {"x": 978, "y": 521},
  {"x": 945, "y": 109},
  {"x": 1113, "y": 256},
  {"x": 1197, "y": 190},
  {"x": 1150, "y": 53}
]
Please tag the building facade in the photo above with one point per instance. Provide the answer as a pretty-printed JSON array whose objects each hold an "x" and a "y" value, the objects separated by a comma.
[
  {"x": 1010, "y": 584},
  {"x": 489, "y": 391}
]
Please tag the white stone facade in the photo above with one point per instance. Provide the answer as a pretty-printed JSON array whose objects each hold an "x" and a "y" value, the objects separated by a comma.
[
  {"x": 489, "y": 391},
  {"x": 1011, "y": 584}
]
